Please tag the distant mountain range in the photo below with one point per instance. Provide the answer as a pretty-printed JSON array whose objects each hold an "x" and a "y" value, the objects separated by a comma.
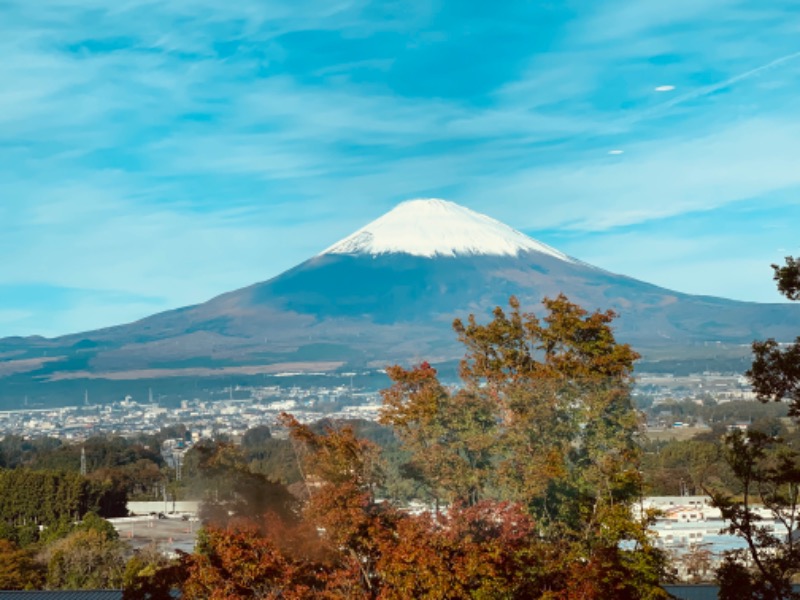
[{"x": 387, "y": 293}]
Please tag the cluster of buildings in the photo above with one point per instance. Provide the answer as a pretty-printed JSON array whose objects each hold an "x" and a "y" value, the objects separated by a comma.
[
  {"x": 240, "y": 408},
  {"x": 696, "y": 536},
  {"x": 716, "y": 387},
  {"x": 206, "y": 419}
]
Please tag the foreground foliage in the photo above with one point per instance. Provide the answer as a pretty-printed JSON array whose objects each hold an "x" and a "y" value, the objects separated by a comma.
[
  {"x": 775, "y": 373},
  {"x": 18, "y": 567},
  {"x": 532, "y": 468},
  {"x": 768, "y": 469},
  {"x": 770, "y": 476}
]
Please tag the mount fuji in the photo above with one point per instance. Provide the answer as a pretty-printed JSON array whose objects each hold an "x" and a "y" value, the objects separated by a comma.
[
  {"x": 387, "y": 293},
  {"x": 434, "y": 227}
]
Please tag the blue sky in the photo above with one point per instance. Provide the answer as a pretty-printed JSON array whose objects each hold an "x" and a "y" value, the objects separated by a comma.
[{"x": 155, "y": 154}]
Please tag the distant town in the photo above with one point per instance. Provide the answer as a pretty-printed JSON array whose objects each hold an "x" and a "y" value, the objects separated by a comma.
[
  {"x": 239, "y": 408},
  {"x": 244, "y": 408}
]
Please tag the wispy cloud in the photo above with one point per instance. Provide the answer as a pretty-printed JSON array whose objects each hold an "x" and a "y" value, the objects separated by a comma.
[{"x": 155, "y": 154}]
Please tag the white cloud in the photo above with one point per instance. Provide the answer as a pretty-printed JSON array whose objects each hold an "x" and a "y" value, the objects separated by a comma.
[
  {"x": 661, "y": 178},
  {"x": 170, "y": 169}
]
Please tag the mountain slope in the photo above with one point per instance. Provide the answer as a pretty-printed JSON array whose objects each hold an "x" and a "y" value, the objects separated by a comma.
[{"x": 388, "y": 293}]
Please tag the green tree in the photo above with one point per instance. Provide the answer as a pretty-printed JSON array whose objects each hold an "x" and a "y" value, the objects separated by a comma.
[
  {"x": 450, "y": 436},
  {"x": 255, "y": 437},
  {"x": 149, "y": 575},
  {"x": 769, "y": 472},
  {"x": 788, "y": 278},
  {"x": 768, "y": 469},
  {"x": 775, "y": 372},
  {"x": 696, "y": 464},
  {"x": 275, "y": 460},
  {"x": 93, "y": 522},
  {"x": 86, "y": 559},
  {"x": 32, "y": 498}
]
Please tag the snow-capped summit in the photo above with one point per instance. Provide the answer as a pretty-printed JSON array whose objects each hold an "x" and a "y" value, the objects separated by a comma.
[
  {"x": 432, "y": 227},
  {"x": 385, "y": 295}
]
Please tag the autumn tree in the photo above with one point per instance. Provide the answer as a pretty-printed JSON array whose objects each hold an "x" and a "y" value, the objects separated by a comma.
[
  {"x": 545, "y": 419},
  {"x": 328, "y": 549},
  {"x": 545, "y": 412},
  {"x": 535, "y": 457},
  {"x": 245, "y": 560},
  {"x": 18, "y": 567},
  {"x": 350, "y": 545},
  {"x": 341, "y": 474},
  {"x": 450, "y": 436},
  {"x": 488, "y": 550}
]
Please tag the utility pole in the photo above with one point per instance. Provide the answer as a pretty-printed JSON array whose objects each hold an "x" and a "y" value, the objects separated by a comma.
[
  {"x": 83, "y": 461},
  {"x": 177, "y": 458}
]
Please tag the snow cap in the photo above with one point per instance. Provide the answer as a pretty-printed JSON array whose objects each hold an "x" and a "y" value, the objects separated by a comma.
[{"x": 432, "y": 227}]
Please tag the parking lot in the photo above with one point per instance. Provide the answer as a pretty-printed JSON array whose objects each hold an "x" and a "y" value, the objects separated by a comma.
[{"x": 170, "y": 533}]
